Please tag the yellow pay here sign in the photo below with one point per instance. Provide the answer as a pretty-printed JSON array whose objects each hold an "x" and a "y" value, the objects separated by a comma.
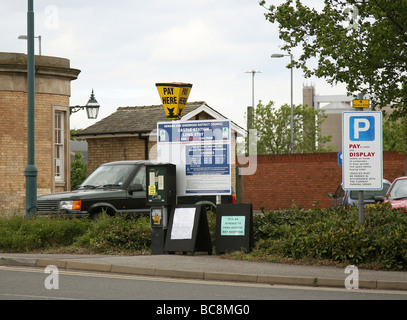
[
  {"x": 174, "y": 97},
  {"x": 361, "y": 103}
]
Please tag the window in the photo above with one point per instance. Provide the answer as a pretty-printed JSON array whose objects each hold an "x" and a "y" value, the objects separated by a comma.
[
  {"x": 371, "y": 194},
  {"x": 140, "y": 177},
  {"x": 59, "y": 145}
]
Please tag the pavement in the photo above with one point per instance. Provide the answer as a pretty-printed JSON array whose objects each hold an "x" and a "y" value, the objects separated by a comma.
[{"x": 212, "y": 267}]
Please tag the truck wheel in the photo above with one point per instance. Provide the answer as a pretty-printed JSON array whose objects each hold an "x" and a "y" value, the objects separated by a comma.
[
  {"x": 99, "y": 211},
  {"x": 94, "y": 216}
]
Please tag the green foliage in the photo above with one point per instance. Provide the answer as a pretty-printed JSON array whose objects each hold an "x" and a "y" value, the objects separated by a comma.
[
  {"x": 117, "y": 233},
  {"x": 359, "y": 43},
  {"x": 274, "y": 134},
  {"x": 18, "y": 234},
  {"x": 395, "y": 134},
  {"x": 335, "y": 234},
  {"x": 79, "y": 171},
  {"x": 297, "y": 234},
  {"x": 73, "y": 132},
  {"x": 107, "y": 234}
]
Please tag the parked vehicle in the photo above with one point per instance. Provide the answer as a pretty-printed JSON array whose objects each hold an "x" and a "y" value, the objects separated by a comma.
[
  {"x": 397, "y": 193},
  {"x": 348, "y": 198},
  {"x": 114, "y": 187}
]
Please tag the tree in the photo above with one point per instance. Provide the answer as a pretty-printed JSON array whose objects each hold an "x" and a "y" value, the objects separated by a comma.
[
  {"x": 394, "y": 134},
  {"x": 361, "y": 43},
  {"x": 274, "y": 134},
  {"x": 73, "y": 132},
  {"x": 79, "y": 171}
]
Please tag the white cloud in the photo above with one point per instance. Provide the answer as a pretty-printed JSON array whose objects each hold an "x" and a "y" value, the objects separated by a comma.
[
  {"x": 193, "y": 42},
  {"x": 124, "y": 47}
]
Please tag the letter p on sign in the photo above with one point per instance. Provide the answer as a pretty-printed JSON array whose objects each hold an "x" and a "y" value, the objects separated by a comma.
[{"x": 362, "y": 128}]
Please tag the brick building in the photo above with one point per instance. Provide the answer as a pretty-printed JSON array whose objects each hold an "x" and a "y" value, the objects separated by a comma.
[
  {"x": 52, "y": 92},
  {"x": 130, "y": 133}
]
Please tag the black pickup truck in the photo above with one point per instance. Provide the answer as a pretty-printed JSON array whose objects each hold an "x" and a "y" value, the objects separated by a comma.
[{"x": 114, "y": 187}]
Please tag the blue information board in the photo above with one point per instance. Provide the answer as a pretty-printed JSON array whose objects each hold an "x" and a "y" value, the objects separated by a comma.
[{"x": 201, "y": 150}]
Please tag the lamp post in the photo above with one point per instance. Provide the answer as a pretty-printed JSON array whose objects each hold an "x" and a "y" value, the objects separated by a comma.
[
  {"x": 277, "y": 55},
  {"x": 31, "y": 171},
  {"x": 253, "y": 72},
  {"x": 24, "y": 37},
  {"x": 92, "y": 107}
]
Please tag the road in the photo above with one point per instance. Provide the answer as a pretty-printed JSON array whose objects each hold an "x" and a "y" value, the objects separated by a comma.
[{"x": 23, "y": 283}]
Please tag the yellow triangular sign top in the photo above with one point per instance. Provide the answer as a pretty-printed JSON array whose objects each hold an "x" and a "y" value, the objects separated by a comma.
[{"x": 174, "y": 98}]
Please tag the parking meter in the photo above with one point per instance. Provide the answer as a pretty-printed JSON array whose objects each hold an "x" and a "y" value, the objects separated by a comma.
[
  {"x": 159, "y": 217},
  {"x": 161, "y": 184},
  {"x": 161, "y": 195}
]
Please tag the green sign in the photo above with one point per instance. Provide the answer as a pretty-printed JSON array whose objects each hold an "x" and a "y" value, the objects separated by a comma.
[{"x": 233, "y": 225}]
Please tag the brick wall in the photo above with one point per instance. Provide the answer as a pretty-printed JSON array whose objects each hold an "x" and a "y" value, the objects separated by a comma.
[
  {"x": 102, "y": 150},
  {"x": 13, "y": 145},
  {"x": 303, "y": 179}
]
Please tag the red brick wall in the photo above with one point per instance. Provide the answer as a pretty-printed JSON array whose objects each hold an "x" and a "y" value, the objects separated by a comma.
[{"x": 303, "y": 179}]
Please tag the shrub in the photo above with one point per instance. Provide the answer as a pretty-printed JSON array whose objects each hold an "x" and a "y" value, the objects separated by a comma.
[
  {"x": 335, "y": 234},
  {"x": 332, "y": 234},
  {"x": 117, "y": 233},
  {"x": 79, "y": 171},
  {"x": 18, "y": 234}
]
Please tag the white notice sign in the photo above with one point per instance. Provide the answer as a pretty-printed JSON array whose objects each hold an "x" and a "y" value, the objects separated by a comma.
[
  {"x": 183, "y": 223},
  {"x": 362, "y": 151}
]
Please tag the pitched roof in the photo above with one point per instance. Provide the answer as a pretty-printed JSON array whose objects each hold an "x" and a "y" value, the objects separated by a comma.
[
  {"x": 132, "y": 120},
  {"x": 143, "y": 119}
]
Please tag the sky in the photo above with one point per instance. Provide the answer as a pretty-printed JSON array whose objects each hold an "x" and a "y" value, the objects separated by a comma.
[{"x": 124, "y": 47}]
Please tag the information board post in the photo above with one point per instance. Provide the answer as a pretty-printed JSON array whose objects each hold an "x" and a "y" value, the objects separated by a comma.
[
  {"x": 201, "y": 150},
  {"x": 360, "y": 105}
]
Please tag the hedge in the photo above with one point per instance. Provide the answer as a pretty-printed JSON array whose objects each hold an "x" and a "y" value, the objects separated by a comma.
[
  {"x": 297, "y": 234},
  {"x": 335, "y": 234}
]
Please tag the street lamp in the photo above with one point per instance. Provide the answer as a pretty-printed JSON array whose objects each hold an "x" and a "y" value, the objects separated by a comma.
[
  {"x": 92, "y": 107},
  {"x": 279, "y": 55},
  {"x": 24, "y": 37},
  {"x": 31, "y": 171},
  {"x": 253, "y": 72}
]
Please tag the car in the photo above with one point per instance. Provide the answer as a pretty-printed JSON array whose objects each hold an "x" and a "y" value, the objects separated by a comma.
[
  {"x": 115, "y": 188},
  {"x": 397, "y": 193},
  {"x": 345, "y": 198}
]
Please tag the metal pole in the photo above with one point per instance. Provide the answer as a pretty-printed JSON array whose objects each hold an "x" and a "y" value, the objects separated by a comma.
[
  {"x": 292, "y": 110},
  {"x": 39, "y": 43},
  {"x": 253, "y": 88},
  {"x": 31, "y": 171},
  {"x": 361, "y": 194},
  {"x": 253, "y": 72}
]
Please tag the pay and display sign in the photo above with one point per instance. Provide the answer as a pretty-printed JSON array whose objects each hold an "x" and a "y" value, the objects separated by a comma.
[{"x": 362, "y": 151}]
